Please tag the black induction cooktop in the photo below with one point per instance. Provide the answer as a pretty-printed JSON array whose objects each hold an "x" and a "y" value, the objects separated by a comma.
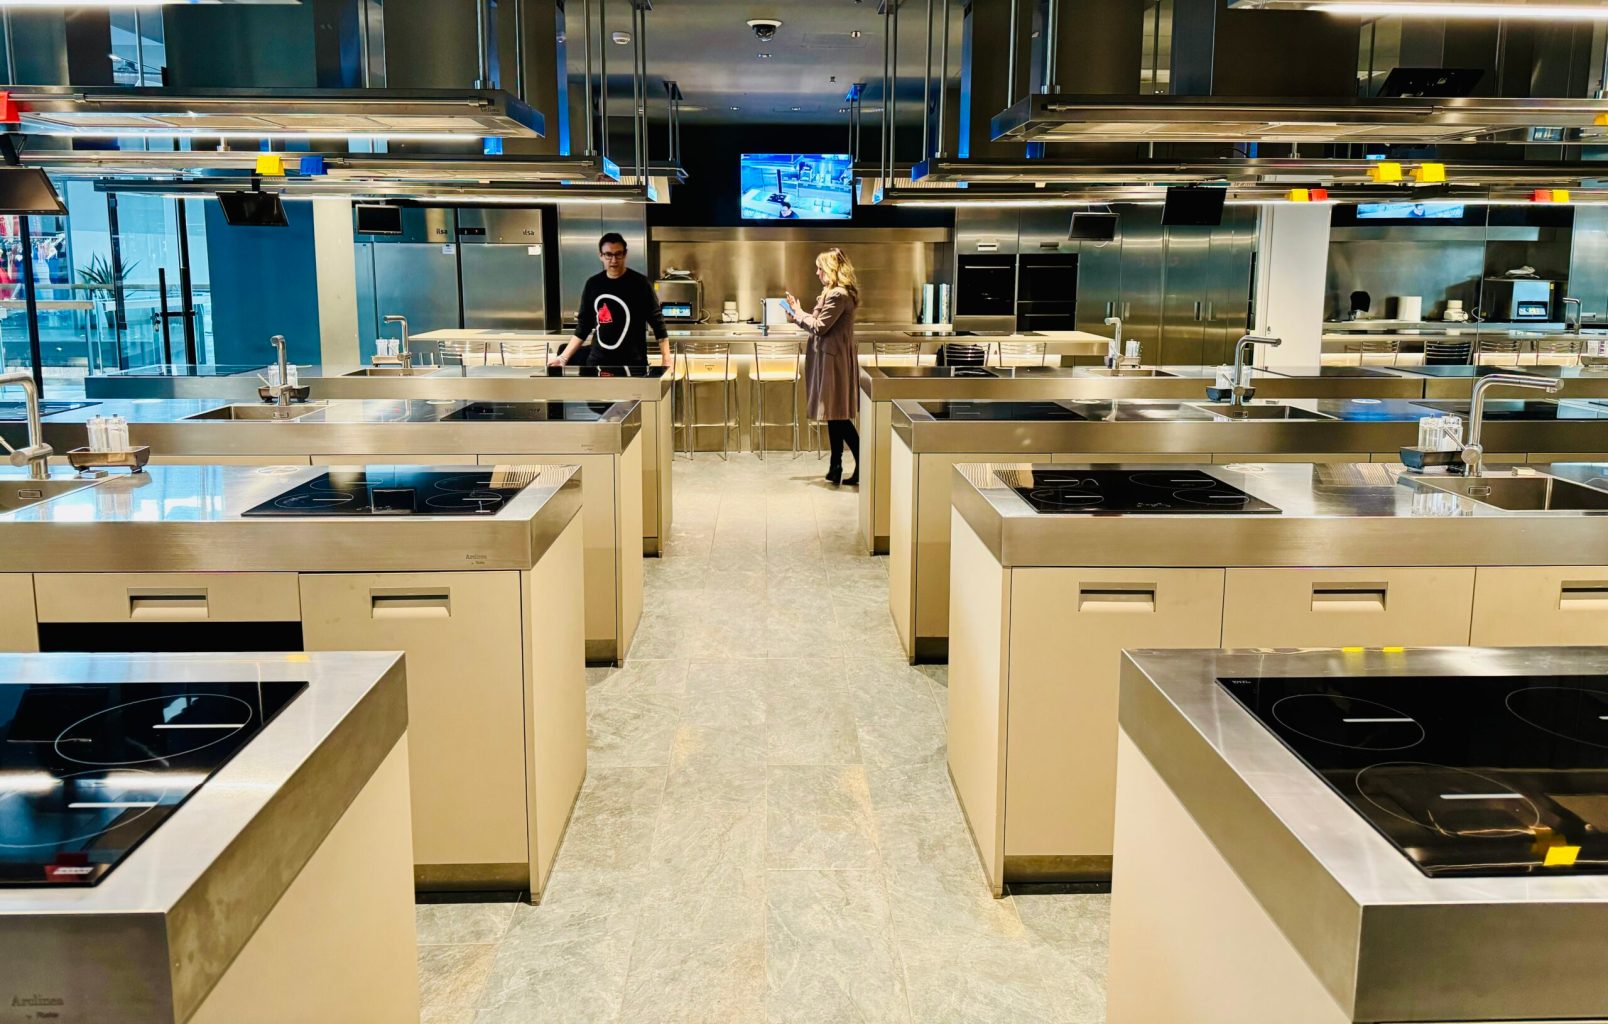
[
  {"x": 91, "y": 769},
  {"x": 1136, "y": 492},
  {"x": 1482, "y": 370},
  {"x": 937, "y": 372},
  {"x": 1510, "y": 409},
  {"x": 379, "y": 491},
  {"x": 1002, "y": 411},
  {"x": 605, "y": 371},
  {"x": 1327, "y": 371},
  {"x": 1467, "y": 776},
  {"x": 177, "y": 370},
  {"x": 19, "y": 410},
  {"x": 529, "y": 412}
]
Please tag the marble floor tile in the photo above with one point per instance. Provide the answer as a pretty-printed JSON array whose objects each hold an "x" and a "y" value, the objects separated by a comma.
[
  {"x": 829, "y": 950},
  {"x": 639, "y": 675},
  {"x": 612, "y": 824},
  {"x": 819, "y": 817},
  {"x": 698, "y": 960},
  {"x": 809, "y": 724},
  {"x": 635, "y": 729},
  {"x": 898, "y": 721},
  {"x": 454, "y": 976},
  {"x": 443, "y": 924}
]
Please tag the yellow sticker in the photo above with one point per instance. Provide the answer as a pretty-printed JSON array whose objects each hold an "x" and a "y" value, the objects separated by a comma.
[
  {"x": 1353, "y": 650},
  {"x": 296, "y": 657},
  {"x": 1394, "y": 650},
  {"x": 1561, "y": 856}
]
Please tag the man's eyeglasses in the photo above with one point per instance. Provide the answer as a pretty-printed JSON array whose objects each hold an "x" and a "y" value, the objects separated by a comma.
[{"x": 613, "y": 255}]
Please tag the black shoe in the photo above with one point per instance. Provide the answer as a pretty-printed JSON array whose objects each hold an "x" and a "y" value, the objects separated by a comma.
[
  {"x": 853, "y": 479},
  {"x": 834, "y": 475}
]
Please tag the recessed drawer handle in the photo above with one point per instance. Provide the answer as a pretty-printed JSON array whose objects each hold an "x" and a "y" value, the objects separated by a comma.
[
  {"x": 1348, "y": 597},
  {"x": 1121, "y": 598},
  {"x": 1583, "y": 595},
  {"x": 406, "y": 604},
  {"x": 167, "y": 604}
]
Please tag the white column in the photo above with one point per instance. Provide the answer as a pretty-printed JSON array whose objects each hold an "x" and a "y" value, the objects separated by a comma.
[
  {"x": 1292, "y": 263},
  {"x": 336, "y": 260}
]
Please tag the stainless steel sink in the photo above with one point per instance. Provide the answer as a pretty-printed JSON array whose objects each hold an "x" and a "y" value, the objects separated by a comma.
[
  {"x": 1143, "y": 371},
  {"x": 392, "y": 371},
  {"x": 1525, "y": 493},
  {"x": 19, "y": 494},
  {"x": 258, "y": 412},
  {"x": 1223, "y": 410}
]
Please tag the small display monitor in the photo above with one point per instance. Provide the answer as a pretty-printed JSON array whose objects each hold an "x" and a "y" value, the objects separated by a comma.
[
  {"x": 797, "y": 186},
  {"x": 1410, "y": 211},
  {"x": 379, "y": 219},
  {"x": 1194, "y": 205},
  {"x": 28, "y": 190},
  {"x": 1093, "y": 227},
  {"x": 253, "y": 209}
]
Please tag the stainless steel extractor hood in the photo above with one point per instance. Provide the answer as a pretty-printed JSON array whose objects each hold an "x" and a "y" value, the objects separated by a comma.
[
  {"x": 1261, "y": 171},
  {"x": 338, "y": 166},
  {"x": 1549, "y": 9},
  {"x": 1405, "y": 120},
  {"x": 413, "y": 115}
]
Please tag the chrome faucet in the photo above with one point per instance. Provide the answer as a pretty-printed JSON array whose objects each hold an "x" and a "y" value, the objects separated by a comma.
[
  {"x": 1473, "y": 451},
  {"x": 1238, "y": 390},
  {"x": 36, "y": 454},
  {"x": 1570, "y": 300},
  {"x": 1115, "y": 356},
  {"x": 283, "y": 397},
  {"x": 404, "y": 354}
]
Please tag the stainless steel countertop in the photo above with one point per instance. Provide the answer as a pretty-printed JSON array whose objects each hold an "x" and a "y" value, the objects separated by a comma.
[
  {"x": 1389, "y": 943},
  {"x": 896, "y": 383},
  {"x": 150, "y": 941},
  {"x": 370, "y": 427},
  {"x": 188, "y": 519},
  {"x": 1154, "y": 425},
  {"x": 1345, "y": 514},
  {"x": 482, "y": 383}
]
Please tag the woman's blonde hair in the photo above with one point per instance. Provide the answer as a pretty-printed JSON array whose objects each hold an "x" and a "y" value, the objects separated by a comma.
[{"x": 839, "y": 272}]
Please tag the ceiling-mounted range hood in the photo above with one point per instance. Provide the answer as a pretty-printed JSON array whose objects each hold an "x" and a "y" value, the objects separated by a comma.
[
  {"x": 1411, "y": 120},
  {"x": 337, "y": 166},
  {"x": 459, "y": 194},
  {"x": 1549, "y": 9},
  {"x": 403, "y": 115},
  {"x": 1259, "y": 171}
]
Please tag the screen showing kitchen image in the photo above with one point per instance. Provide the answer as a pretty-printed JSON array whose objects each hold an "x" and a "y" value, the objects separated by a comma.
[{"x": 797, "y": 186}]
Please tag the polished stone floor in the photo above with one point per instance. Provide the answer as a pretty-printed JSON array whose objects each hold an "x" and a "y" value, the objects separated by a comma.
[{"x": 767, "y": 831}]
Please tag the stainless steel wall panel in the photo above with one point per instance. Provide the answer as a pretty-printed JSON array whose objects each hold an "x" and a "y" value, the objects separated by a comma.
[
  {"x": 418, "y": 281},
  {"x": 1099, "y": 282},
  {"x": 1588, "y": 265},
  {"x": 1403, "y": 264},
  {"x": 492, "y": 226},
  {"x": 504, "y": 287},
  {"x": 1143, "y": 248},
  {"x": 986, "y": 230},
  {"x": 1186, "y": 294}
]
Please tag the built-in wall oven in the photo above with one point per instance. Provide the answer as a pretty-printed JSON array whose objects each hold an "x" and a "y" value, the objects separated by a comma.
[
  {"x": 985, "y": 291},
  {"x": 1047, "y": 292}
]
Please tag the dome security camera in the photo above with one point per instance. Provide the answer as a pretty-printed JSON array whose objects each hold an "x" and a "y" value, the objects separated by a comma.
[{"x": 764, "y": 28}]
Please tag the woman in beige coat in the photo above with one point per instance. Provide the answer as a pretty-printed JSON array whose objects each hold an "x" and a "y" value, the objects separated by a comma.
[{"x": 831, "y": 361}]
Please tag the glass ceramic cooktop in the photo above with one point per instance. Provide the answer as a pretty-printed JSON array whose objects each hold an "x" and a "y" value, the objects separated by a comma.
[
  {"x": 19, "y": 410},
  {"x": 399, "y": 492},
  {"x": 1515, "y": 409},
  {"x": 1467, "y": 776},
  {"x": 1136, "y": 492},
  {"x": 1002, "y": 411},
  {"x": 88, "y": 770},
  {"x": 605, "y": 371},
  {"x": 529, "y": 412},
  {"x": 937, "y": 372},
  {"x": 178, "y": 370}
]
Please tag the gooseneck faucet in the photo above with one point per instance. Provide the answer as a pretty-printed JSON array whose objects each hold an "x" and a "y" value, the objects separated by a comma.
[
  {"x": 1570, "y": 300},
  {"x": 283, "y": 398},
  {"x": 1237, "y": 391},
  {"x": 404, "y": 354},
  {"x": 36, "y": 454},
  {"x": 1114, "y": 356},
  {"x": 1473, "y": 451}
]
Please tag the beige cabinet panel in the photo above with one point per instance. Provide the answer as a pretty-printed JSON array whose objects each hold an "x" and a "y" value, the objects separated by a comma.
[
  {"x": 901, "y": 542},
  {"x": 167, "y": 597},
  {"x": 406, "y": 459},
  {"x": 1516, "y": 606},
  {"x": 229, "y": 460},
  {"x": 19, "y": 626},
  {"x": 461, "y": 632},
  {"x": 1060, "y": 774},
  {"x": 1348, "y": 607}
]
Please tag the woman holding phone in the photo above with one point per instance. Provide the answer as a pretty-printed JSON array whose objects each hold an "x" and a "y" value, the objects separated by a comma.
[{"x": 831, "y": 360}]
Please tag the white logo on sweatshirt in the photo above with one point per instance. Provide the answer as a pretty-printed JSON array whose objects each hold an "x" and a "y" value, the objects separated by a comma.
[{"x": 619, "y": 339}]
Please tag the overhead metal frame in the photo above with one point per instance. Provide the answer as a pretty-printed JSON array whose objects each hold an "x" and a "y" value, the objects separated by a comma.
[
  {"x": 417, "y": 192},
  {"x": 1072, "y": 196},
  {"x": 1436, "y": 8},
  {"x": 1289, "y": 172}
]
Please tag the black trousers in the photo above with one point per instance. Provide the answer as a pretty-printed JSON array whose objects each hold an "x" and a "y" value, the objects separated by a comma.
[{"x": 840, "y": 433}]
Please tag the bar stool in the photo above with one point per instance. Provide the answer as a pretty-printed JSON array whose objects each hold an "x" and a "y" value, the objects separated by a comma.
[
  {"x": 956, "y": 353},
  {"x": 1499, "y": 351},
  {"x": 1376, "y": 351},
  {"x": 524, "y": 353},
  {"x": 776, "y": 362},
  {"x": 1448, "y": 353},
  {"x": 1557, "y": 351},
  {"x": 895, "y": 353},
  {"x": 461, "y": 351},
  {"x": 1020, "y": 353},
  {"x": 707, "y": 362}
]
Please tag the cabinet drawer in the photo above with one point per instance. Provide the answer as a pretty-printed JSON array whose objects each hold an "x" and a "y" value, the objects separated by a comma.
[
  {"x": 167, "y": 597},
  {"x": 1550, "y": 604},
  {"x": 1347, "y": 607},
  {"x": 19, "y": 630}
]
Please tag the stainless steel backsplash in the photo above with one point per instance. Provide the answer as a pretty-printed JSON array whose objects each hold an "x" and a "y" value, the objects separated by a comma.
[{"x": 749, "y": 264}]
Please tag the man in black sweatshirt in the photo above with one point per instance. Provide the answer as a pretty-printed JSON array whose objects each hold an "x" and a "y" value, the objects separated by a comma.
[{"x": 617, "y": 308}]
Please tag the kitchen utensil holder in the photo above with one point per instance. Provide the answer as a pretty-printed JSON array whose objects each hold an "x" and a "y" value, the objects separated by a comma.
[
  {"x": 1419, "y": 459},
  {"x": 298, "y": 392},
  {"x": 1216, "y": 394},
  {"x": 88, "y": 460}
]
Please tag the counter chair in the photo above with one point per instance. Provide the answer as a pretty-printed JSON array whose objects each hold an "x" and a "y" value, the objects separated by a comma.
[
  {"x": 707, "y": 362},
  {"x": 524, "y": 353},
  {"x": 956, "y": 353},
  {"x": 1448, "y": 353},
  {"x": 1564, "y": 351},
  {"x": 1499, "y": 351},
  {"x": 461, "y": 353},
  {"x": 1376, "y": 351},
  {"x": 776, "y": 362},
  {"x": 1020, "y": 353},
  {"x": 895, "y": 353}
]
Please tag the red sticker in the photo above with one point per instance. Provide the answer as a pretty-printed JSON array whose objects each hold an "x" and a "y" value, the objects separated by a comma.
[{"x": 603, "y": 315}]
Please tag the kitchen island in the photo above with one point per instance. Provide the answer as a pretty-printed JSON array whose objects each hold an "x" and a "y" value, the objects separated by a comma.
[
  {"x": 605, "y": 439},
  {"x": 931, "y": 437},
  {"x": 1264, "y": 877},
  {"x": 231, "y": 878},
  {"x": 474, "y": 572},
  {"x": 1250, "y": 555}
]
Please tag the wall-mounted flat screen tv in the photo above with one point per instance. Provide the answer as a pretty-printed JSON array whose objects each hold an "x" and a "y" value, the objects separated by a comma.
[
  {"x": 797, "y": 186},
  {"x": 1193, "y": 206},
  {"x": 1093, "y": 227},
  {"x": 1409, "y": 211},
  {"x": 378, "y": 219},
  {"x": 253, "y": 209},
  {"x": 27, "y": 190}
]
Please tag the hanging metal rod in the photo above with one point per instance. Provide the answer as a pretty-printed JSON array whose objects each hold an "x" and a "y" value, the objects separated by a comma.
[
  {"x": 926, "y": 93},
  {"x": 943, "y": 84}
]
